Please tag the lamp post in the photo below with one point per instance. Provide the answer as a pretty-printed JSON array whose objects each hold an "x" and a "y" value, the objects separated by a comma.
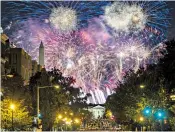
[
  {"x": 141, "y": 120},
  {"x": 12, "y": 107},
  {"x": 56, "y": 86}
]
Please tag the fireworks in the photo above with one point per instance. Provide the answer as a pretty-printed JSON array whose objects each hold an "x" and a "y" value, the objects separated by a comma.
[
  {"x": 95, "y": 42},
  {"x": 125, "y": 17},
  {"x": 64, "y": 19},
  {"x": 150, "y": 18},
  {"x": 48, "y": 12}
]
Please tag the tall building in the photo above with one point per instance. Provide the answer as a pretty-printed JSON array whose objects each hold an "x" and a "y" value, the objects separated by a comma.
[
  {"x": 21, "y": 63},
  {"x": 5, "y": 47},
  {"x": 41, "y": 54}
]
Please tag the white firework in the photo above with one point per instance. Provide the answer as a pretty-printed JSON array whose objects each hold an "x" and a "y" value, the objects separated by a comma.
[
  {"x": 124, "y": 17},
  {"x": 64, "y": 19},
  {"x": 1, "y": 30}
]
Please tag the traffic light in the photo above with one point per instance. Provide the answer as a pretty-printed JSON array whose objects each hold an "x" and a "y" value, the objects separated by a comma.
[
  {"x": 39, "y": 116},
  {"x": 147, "y": 111}
]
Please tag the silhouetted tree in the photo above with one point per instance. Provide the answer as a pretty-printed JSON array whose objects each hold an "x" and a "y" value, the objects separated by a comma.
[
  {"x": 130, "y": 99},
  {"x": 167, "y": 66}
]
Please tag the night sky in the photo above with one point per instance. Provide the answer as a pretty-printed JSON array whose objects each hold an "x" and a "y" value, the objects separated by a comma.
[{"x": 171, "y": 5}]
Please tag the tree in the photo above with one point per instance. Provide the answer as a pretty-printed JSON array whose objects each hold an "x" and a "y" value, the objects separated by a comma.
[
  {"x": 21, "y": 117},
  {"x": 14, "y": 91},
  {"x": 166, "y": 69},
  {"x": 140, "y": 89},
  {"x": 54, "y": 100},
  {"x": 167, "y": 66},
  {"x": 158, "y": 81}
]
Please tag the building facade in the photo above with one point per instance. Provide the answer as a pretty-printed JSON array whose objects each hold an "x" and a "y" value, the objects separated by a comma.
[
  {"x": 21, "y": 63},
  {"x": 97, "y": 111},
  {"x": 5, "y": 47}
]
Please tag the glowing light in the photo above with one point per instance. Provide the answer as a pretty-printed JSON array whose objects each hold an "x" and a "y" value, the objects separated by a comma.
[
  {"x": 60, "y": 116},
  {"x": 142, "y": 86},
  {"x": 141, "y": 118},
  {"x": 12, "y": 106},
  {"x": 147, "y": 111},
  {"x": 10, "y": 76},
  {"x": 172, "y": 97},
  {"x": 57, "y": 86},
  {"x": 68, "y": 122},
  {"x": 159, "y": 114},
  {"x": 65, "y": 119},
  {"x": 77, "y": 120}
]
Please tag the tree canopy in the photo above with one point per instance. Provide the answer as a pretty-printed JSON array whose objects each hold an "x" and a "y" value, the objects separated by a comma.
[
  {"x": 52, "y": 100},
  {"x": 15, "y": 92},
  {"x": 146, "y": 87}
]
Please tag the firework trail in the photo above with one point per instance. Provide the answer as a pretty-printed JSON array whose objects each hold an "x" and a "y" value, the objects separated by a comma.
[{"x": 95, "y": 42}]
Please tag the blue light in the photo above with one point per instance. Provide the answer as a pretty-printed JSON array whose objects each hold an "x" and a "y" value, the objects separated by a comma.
[
  {"x": 159, "y": 114},
  {"x": 39, "y": 115},
  {"x": 147, "y": 111}
]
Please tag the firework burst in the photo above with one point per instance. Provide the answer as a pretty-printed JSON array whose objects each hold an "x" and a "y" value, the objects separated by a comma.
[
  {"x": 124, "y": 17},
  {"x": 150, "y": 18},
  {"x": 63, "y": 19},
  {"x": 95, "y": 44}
]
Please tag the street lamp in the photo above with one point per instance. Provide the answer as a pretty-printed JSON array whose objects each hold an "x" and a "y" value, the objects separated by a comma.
[
  {"x": 141, "y": 118},
  {"x": 142, "y": 86},
  {"x": 12, "y": 107},
  {"x": 60, "y": 116},
  {"x": 55, "y": 86},
  {"x": 77, "y": 120}
]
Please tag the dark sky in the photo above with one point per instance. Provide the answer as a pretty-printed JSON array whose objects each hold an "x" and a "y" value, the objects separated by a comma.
[{"x": 171, "y": 4}]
